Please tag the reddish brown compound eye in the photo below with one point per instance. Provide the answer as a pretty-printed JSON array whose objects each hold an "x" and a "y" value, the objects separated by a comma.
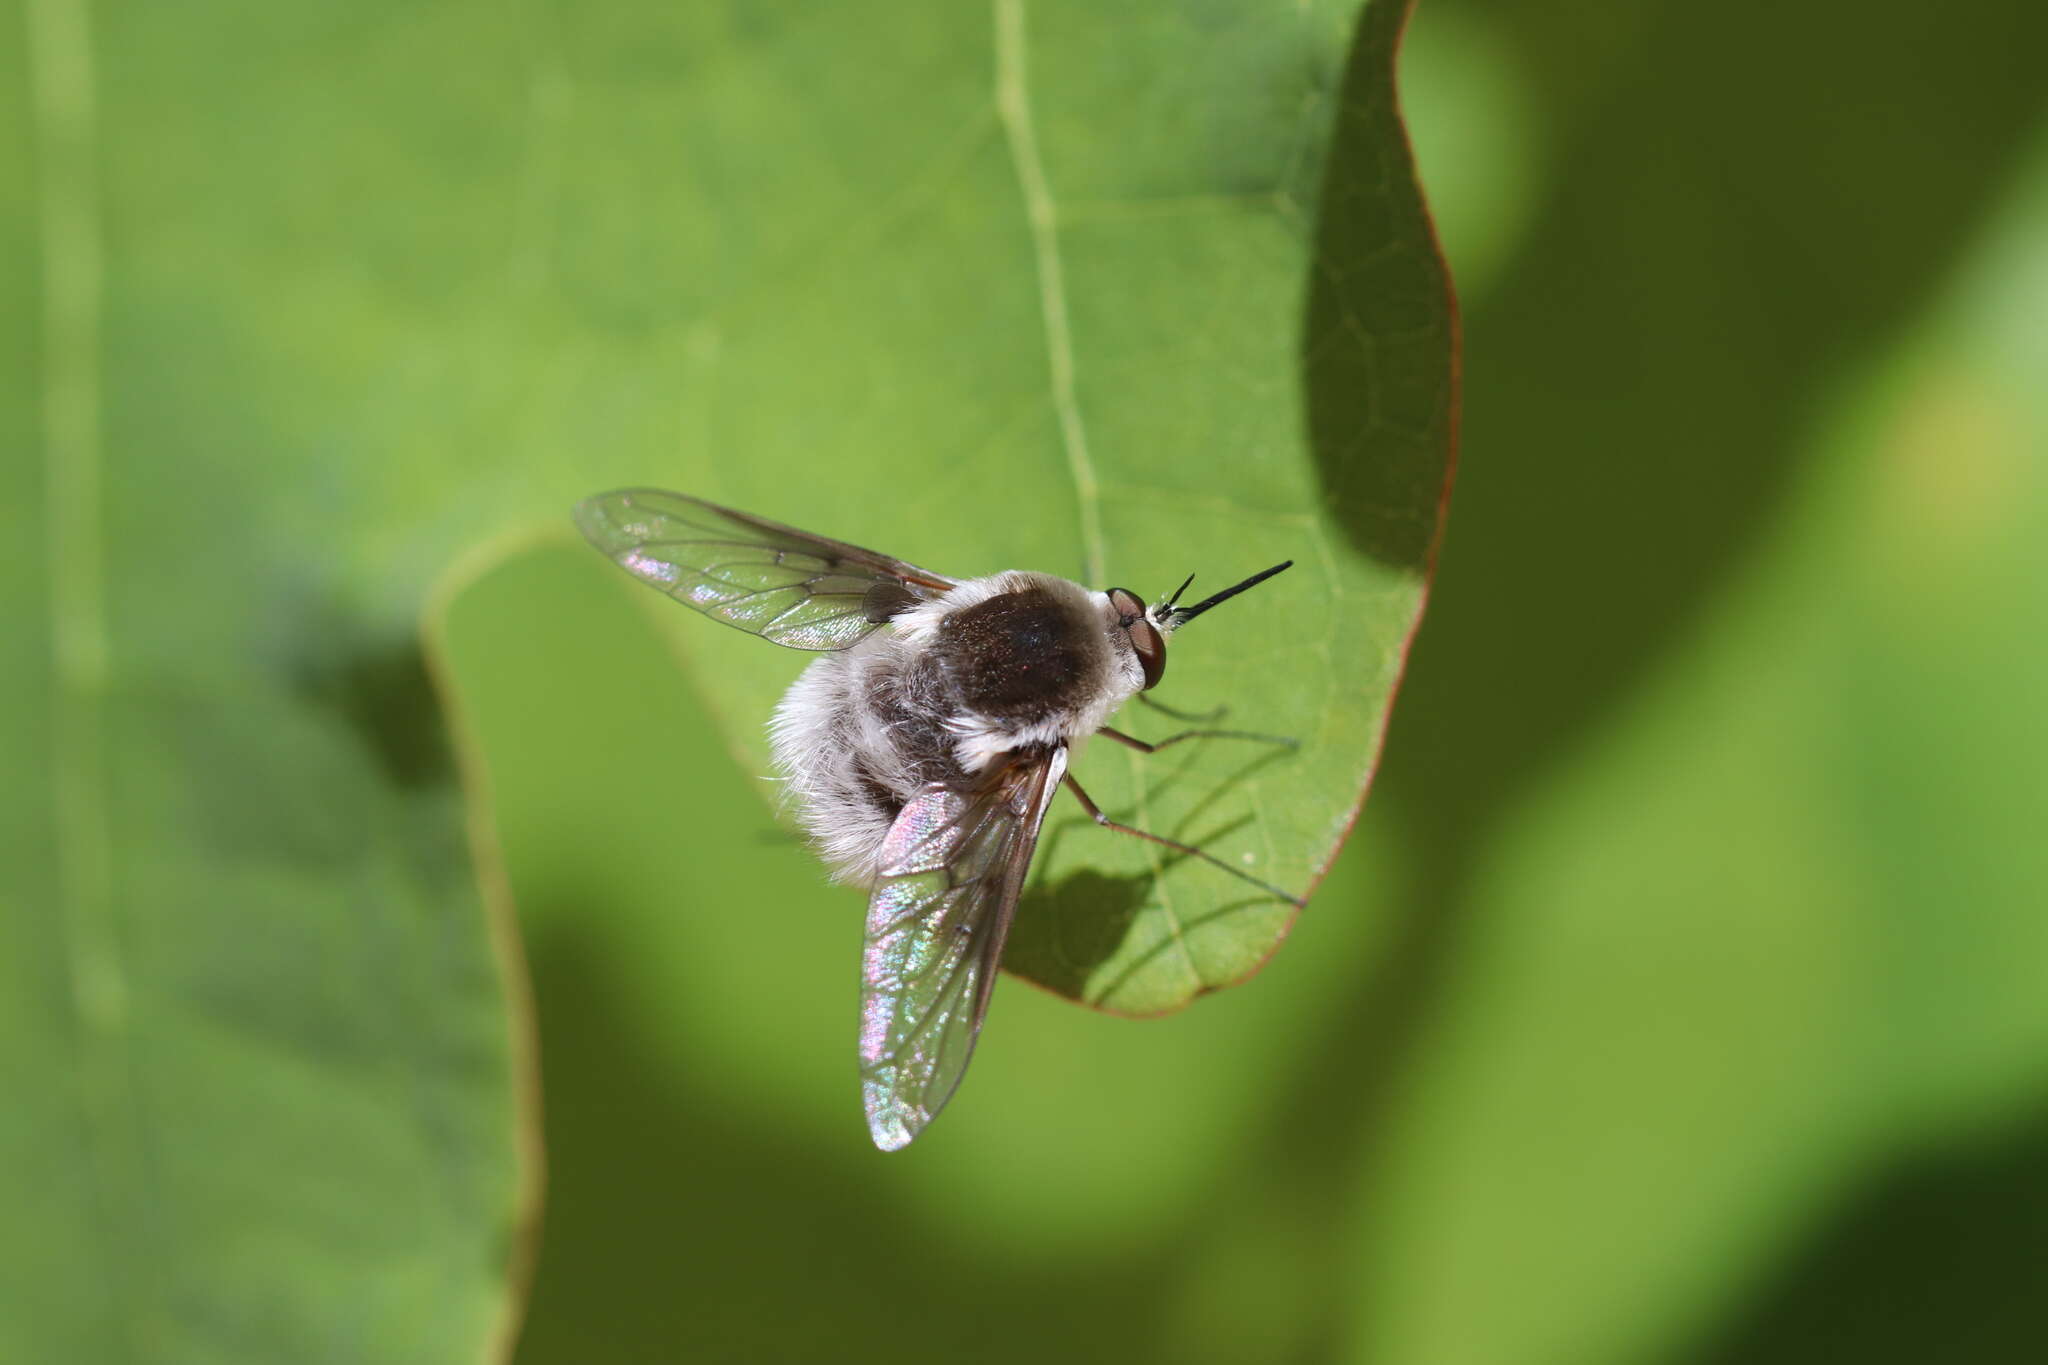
[
  {"x": 1145, "y": 637},
  {"x": 1151, "y": 647}
]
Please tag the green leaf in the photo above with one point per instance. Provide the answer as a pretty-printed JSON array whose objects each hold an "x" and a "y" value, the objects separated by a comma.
[
  {"x": 1119, "y": 329},
  {"x": 303, "y": 303}
]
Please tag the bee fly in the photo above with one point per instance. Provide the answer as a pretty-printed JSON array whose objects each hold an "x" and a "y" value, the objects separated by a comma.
[{"x": 922, "y": 751}]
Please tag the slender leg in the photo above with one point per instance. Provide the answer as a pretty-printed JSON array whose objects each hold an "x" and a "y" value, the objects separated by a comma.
[
  {"x": 1095, "y": 814},
  {"x": 1142, "y": 747},
  {"x": 1215, "y": 713}
]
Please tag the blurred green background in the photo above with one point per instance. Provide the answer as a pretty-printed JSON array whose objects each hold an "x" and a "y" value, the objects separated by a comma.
[{"x": 1679, "y": 997}]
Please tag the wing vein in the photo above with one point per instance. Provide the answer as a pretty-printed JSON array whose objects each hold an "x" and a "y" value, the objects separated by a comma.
[{"x": 937, "y": 919}]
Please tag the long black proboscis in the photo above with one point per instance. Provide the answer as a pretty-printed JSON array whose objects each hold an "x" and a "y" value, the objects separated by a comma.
[{"x": 1182, "y": 615}]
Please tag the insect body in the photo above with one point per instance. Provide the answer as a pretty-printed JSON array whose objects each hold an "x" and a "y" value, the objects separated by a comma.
[
  {"x": 920, "y": 752},
  {"x": 998, "y": 671}
]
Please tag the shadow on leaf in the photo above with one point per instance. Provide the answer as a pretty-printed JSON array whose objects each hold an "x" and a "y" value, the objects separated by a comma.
[
  {"x": 1377, "y": 364},
  {"x": 1064, "y": 933},
  {"x": 379, "y": 687}
]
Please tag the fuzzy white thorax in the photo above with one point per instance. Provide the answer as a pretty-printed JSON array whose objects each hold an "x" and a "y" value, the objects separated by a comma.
[{"x": 877, "y": 718}]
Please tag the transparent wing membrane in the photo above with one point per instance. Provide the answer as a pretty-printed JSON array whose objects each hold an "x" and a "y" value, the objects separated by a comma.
[
  {"x": 951, "y": 871},
  {"x": 785, "y": 585}
]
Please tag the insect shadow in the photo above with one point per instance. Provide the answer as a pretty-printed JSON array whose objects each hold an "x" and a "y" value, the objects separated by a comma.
[{"x": 1066, "y": 930}]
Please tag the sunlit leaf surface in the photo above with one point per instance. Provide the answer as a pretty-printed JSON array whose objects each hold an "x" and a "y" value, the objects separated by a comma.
[{"x": 1120, "y": 329}]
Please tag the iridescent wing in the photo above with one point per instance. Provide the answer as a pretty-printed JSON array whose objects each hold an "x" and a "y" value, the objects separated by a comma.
[
  {"x": 785, "y": 585},
  {"x": 951, "y": 869}
]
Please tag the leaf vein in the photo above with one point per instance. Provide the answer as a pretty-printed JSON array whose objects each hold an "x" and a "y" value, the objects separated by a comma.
[
  {"x": 1013, "y": 104},
  {"x": 63, "y": 104}
]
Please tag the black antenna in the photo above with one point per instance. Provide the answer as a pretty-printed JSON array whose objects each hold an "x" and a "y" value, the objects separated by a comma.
[
  {"x": 1168, "y": 603},
  {"x": 1176, "y": 617}
]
